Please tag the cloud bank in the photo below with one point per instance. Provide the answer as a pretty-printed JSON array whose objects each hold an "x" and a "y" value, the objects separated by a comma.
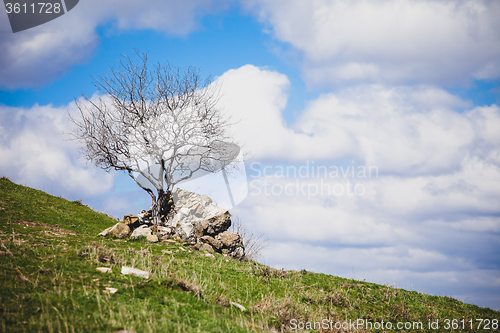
[
  {"x": 434, "y": 129},
  {"x": 36, "y": 151},
  {"x": 432, "y": 42}
]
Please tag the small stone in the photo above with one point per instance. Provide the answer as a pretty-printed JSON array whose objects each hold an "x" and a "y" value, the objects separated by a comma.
[
  {"x": 239, "y": 306},
  {"x": 206, "y": 247},
  {"x": 152, "y": 238},
  {"x": 164, "y": 233},
  {"x": 238, "y": 253},
  {"x": 229, "y": 239},
  {"x": 119, "y": 230},
  {"x": 104, "y": 269},
  {"x": 162, "y": 229},
  {"x": 200, "y": 228},
  {"x": 143, "y": 230},
  {"x": 132, "y": 221},
  {"x": 23, "y": 278},
  {"x": 105, "y": 232},
  {"x": 110, "y": 290},
  {"x": 142, "y": 216},
  {"x": 210, "y": 255},
  {"x": 218, "y": 223},
  {"x": 215, "y": 243},
  {"x": 135, "y": 271}
]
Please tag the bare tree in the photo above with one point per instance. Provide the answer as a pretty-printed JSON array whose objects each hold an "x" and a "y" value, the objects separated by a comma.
[{"x": 158, "y": 125}]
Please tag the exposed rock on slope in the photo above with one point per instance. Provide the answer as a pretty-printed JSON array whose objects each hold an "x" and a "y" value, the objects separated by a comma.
[
  {"x": 195, "y": 219},
  {"x": 119, "y": 230}
]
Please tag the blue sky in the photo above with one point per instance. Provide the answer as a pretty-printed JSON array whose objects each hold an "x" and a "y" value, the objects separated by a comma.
[{"x": 409, "y": 87}]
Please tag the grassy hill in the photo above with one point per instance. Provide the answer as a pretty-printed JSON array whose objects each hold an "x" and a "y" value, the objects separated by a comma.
[{"x": 48, "y": 283}]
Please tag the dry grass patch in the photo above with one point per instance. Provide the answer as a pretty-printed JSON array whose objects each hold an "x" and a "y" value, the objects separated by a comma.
[{"x": 60, "y": 232}]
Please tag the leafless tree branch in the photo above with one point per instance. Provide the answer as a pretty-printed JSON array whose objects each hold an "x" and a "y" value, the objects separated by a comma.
[{"x": 158, "y": 124}]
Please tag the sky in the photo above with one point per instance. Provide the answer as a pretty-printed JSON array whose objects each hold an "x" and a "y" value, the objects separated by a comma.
[{"x": 373, "y": 127}]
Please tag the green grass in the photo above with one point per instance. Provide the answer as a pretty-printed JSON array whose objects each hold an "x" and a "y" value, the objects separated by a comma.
[{"x": 49, "y": 283}]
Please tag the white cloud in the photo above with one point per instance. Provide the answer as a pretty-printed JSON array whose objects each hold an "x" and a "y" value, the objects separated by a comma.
[
  {"x": 486, "y": 122},
  {"x": 254, "y": 99},
  {"x": 38, "y": 55},
  {"x": 392, "y": 41},
  {"x": 430, "y": 135},
  {"x": 33, "y": 57},
  {"x": 401, "y": 130},
  {"x": 376, "y": 212},
  {"x": 36, "y": 151}
]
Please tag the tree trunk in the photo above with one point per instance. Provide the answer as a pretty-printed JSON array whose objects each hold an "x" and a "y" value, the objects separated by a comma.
[{"x": 161, "y": 207}]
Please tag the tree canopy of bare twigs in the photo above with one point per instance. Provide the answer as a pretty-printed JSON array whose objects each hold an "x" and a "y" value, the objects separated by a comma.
[{"x": 157, "y": 124}]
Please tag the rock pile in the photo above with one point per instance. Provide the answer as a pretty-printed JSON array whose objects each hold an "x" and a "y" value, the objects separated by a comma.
[{"x": 195, "y": 220}]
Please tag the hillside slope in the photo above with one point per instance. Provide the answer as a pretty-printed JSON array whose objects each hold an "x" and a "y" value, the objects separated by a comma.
[{"x": 49, "y": 283}]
